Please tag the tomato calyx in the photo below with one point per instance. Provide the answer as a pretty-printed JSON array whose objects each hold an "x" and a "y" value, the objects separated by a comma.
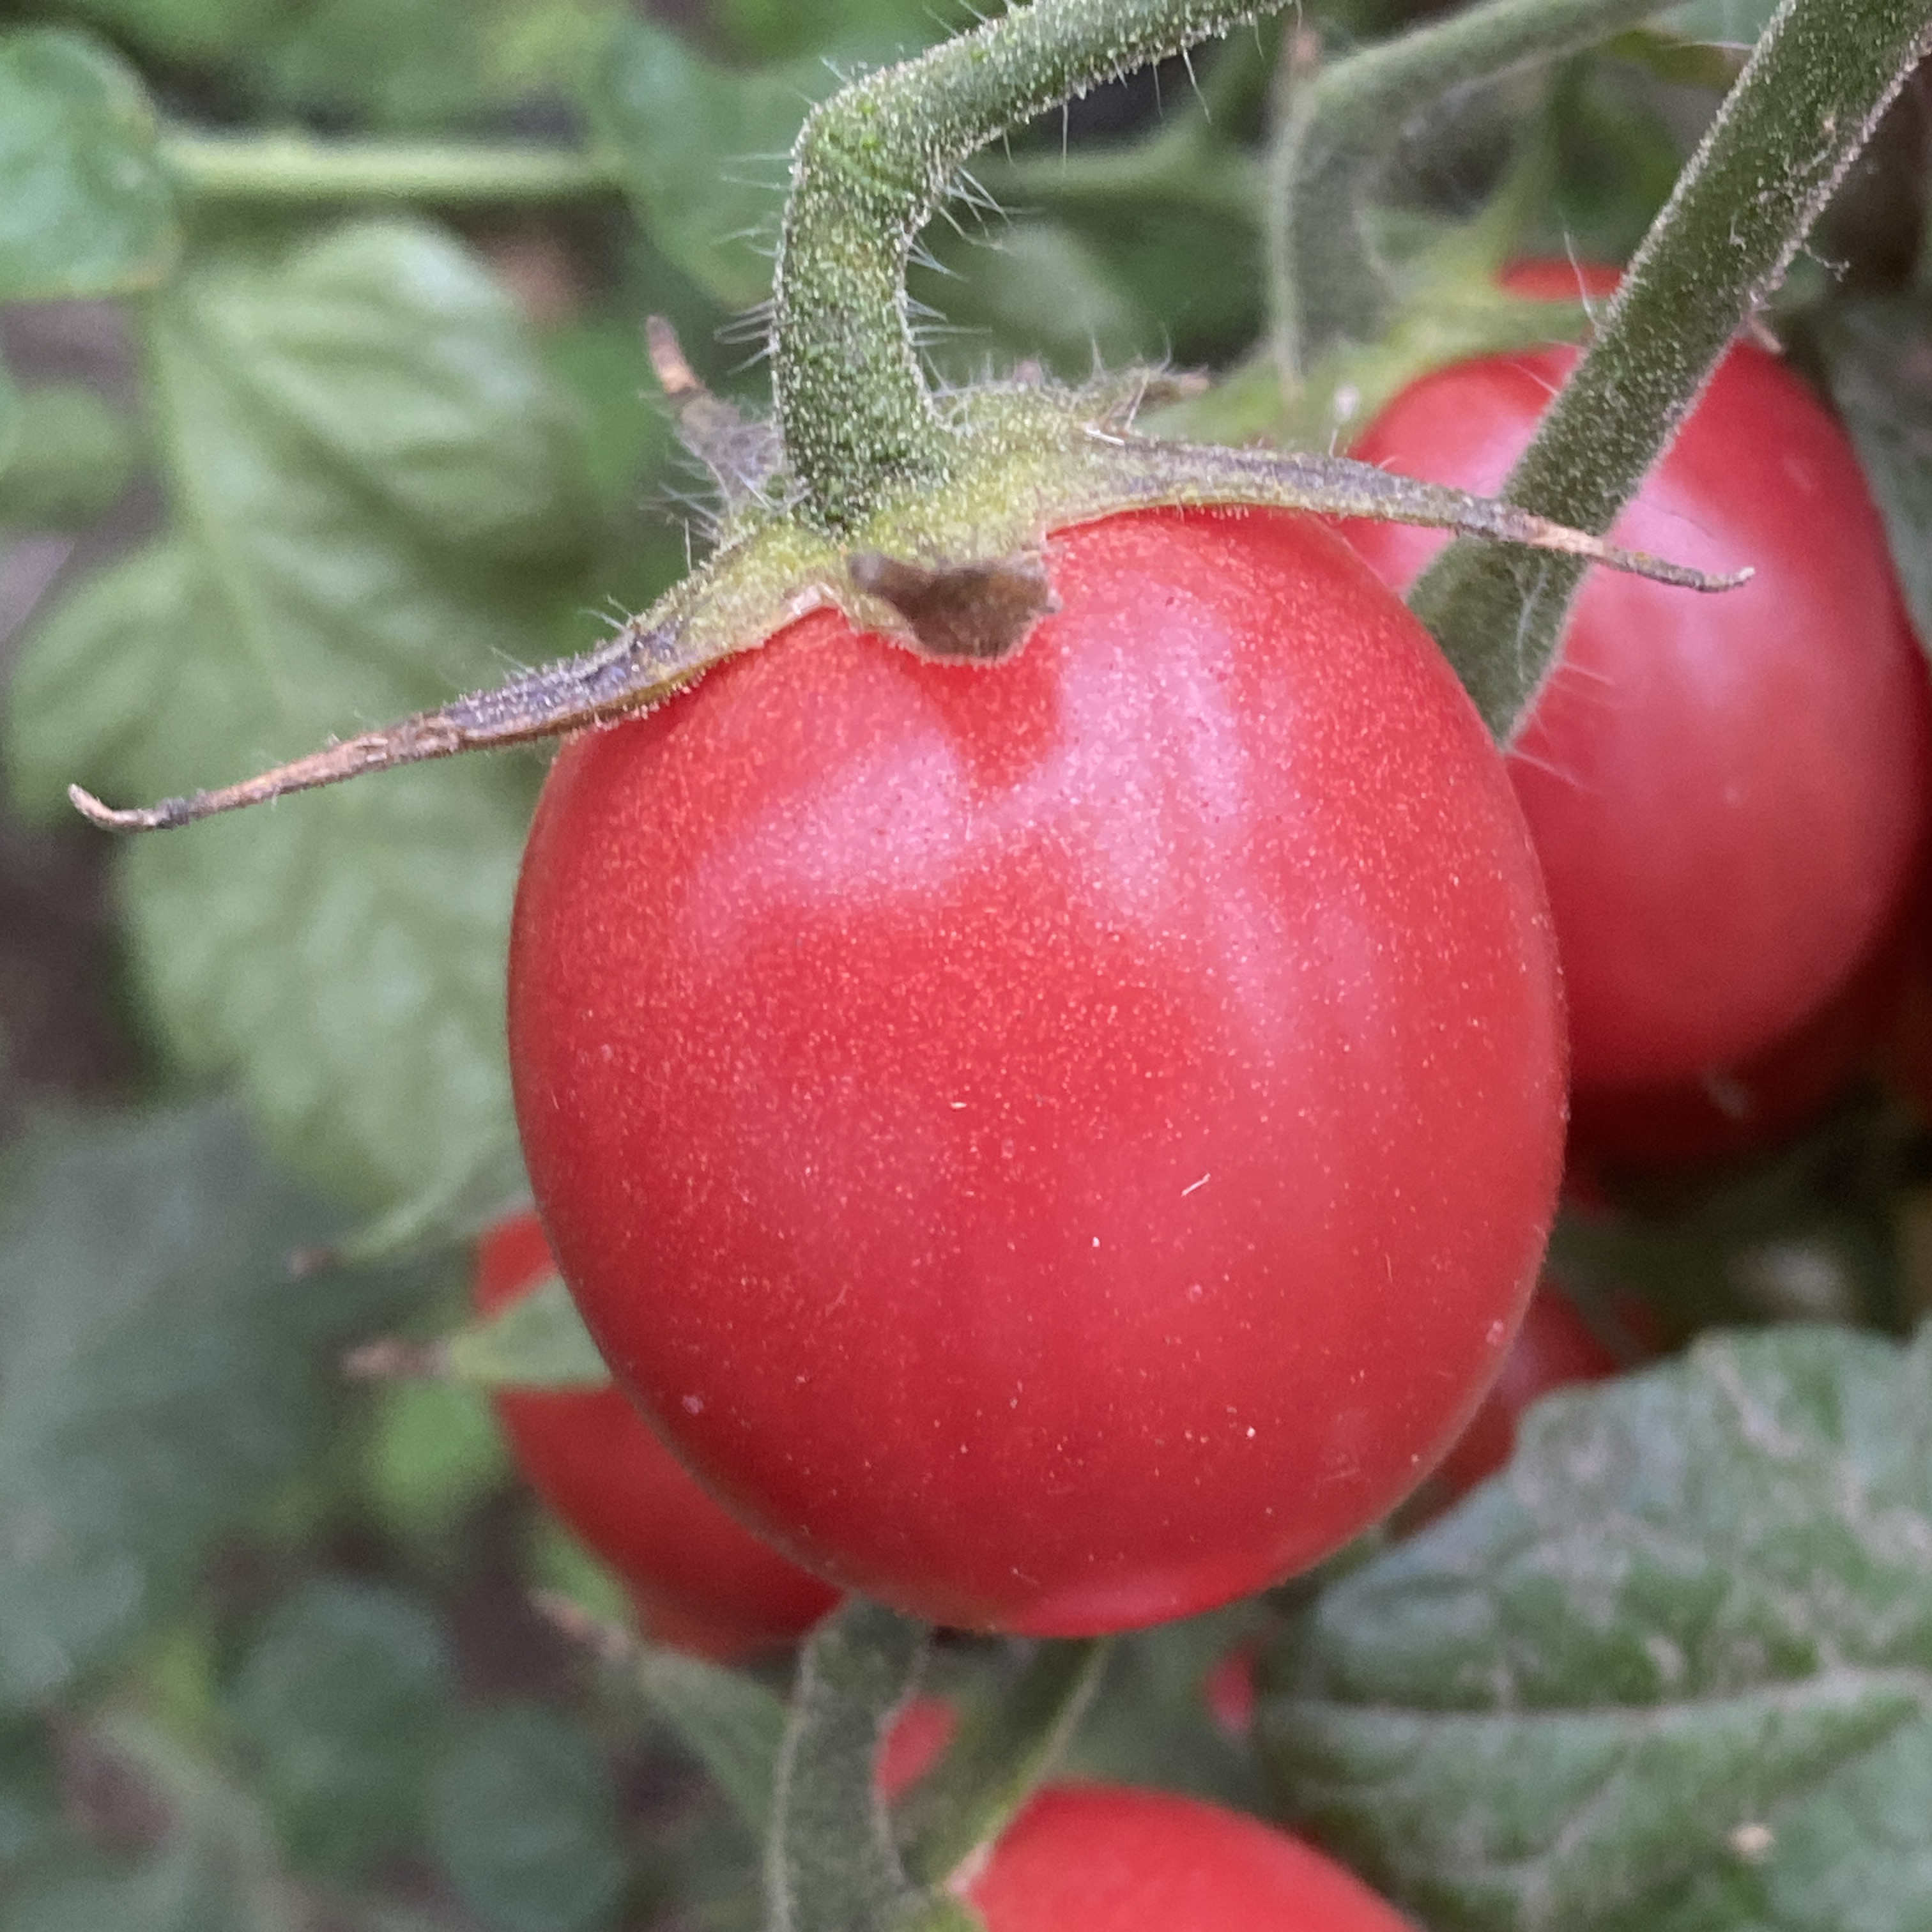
[{"x": 956, "y": 571}]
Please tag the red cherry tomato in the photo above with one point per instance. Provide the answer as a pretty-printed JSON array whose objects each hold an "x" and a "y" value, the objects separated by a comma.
[
  {"x": 1059, "y": 1145},
  {"x": 1097, "y": 1858},
  {"x": 1229, "y": 1689},
  {"x": 699, "y": 1580},
  {"x": 1728, "y": 793},
  {"x": 916, "y": 1741},
  {"x": 1554, "y": 1348}
]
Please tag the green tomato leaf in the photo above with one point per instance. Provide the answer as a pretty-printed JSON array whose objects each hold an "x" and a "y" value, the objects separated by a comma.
[
  {"x": 213, "y": 1867},
  {"x": 12, "y": 436},
  {"x": 703, "y": 150},
  {"x": 1878, "y": 359},
  {"x": 539, "y": 1341},
  {"x": 85, "y": 207},
  {"x": 342, "y": 1699},
  {"x": 524, "y": 1818},
  {"x": 1735, "y": 23},
  {"x": 728, "y": 1721},
  {"x": 160, "y": 1377},
  {"x": 789, "y": 29},
  {"x": 429, "y": 74},
  {"x": 29, "y": 1795},
  {"x": 381, "y": 498},
  {"x": 185, "y": 31},
  {"x": 434, "y": 1454},
  {"x": 1659, "y": 1673},
  {"x": 67, "y": 455}
]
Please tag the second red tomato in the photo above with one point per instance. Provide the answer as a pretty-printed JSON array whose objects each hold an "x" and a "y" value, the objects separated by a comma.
[{"x": 1728, "y": 793}]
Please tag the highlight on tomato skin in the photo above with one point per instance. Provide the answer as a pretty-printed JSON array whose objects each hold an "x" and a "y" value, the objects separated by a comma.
[
  {"x": 699, "y": 1580},
  {"x": 1097, "y": 1858},
  {"x": 1730, "y": 795},
  {"x": 1059, "y": 1146}
]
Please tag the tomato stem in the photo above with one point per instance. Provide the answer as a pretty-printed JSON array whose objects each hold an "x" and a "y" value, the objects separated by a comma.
[
  {"x": 871, "y": 166},
  {"x": 1342, "y": 125},
  {"x": 831, "y": 1865},
  {"x": 298, "y": 169},
  {"x": 1804, "y": 105},
  {"x": 1000, "y": 1755}
]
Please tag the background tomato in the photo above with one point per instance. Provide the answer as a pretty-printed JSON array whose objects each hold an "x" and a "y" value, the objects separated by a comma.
[
  {"x": 1062, "y": 1145},
  {"x": 699, "y": 1579},
  {"x": 1741, "y": 1110},
  {"x": 916, "y": 1741},
  {"x": 1728, "y": 793},
  {"x": 1554, "y": 1348},
  {"x": 1094, "y": 1858}
]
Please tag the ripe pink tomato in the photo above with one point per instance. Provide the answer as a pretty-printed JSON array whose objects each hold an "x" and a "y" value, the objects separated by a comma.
[
  {"x": 1554, "y": 1348},
  {"x": 1098, "y": 1858},
  {"x": 1728, "y": 793},
  {"x": 1057, "y": 1145},
  {"x": 699, "y": 1580}
]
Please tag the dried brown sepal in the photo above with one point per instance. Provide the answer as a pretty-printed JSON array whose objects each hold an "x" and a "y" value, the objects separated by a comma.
[
  {"x": 741, "y": 452},
  {"x": 1036, "y": 468},
  {"x": 1126, "y": 471},
  {"x": 981, "y": 611},
  {"x": 608, "y": 1643},
  {"x": 623, "y": 674}
]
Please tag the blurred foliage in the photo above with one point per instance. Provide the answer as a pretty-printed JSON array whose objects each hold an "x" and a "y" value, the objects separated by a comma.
[
  {"x": 88, "y": 209},
  {"x": 267, "y": 1659}
]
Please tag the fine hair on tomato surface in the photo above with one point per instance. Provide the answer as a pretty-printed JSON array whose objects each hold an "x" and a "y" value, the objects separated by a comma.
[
  {"x": 1060, "y": 1145},
  {"x": 1730, "y": 794},
  {"x": 698, "y": 1580},
  {"x": 1101, "y": 1858}
]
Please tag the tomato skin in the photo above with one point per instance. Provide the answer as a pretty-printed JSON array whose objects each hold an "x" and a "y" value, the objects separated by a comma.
[
  {"x": 1062, "y": 1145},
  {"x": 1729, "y": 793},
  {"x": 700, "y": 1581},
  {"x": 1097, "y": 1858}
]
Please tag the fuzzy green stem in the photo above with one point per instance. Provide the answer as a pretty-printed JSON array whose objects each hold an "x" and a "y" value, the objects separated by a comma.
[
  {"x": 1342, "y": 125},
  {"x": 869, "y": 168},
  {"x": 295, "y": 169},
  {"x": 1801, "y": 109},
  {"x": 831, "y": 1864},
  {"x": 1001, "y": 1752}
]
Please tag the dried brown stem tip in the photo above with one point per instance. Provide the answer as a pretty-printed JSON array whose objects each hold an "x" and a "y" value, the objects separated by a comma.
[
  {"x": 571, "y": 1619},
  {"x": 675, "y": 376},
  {"x": 637, "y": 666},
  {"x": 392, "y": 1358},
  {"x": 741, "y": 452}
]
